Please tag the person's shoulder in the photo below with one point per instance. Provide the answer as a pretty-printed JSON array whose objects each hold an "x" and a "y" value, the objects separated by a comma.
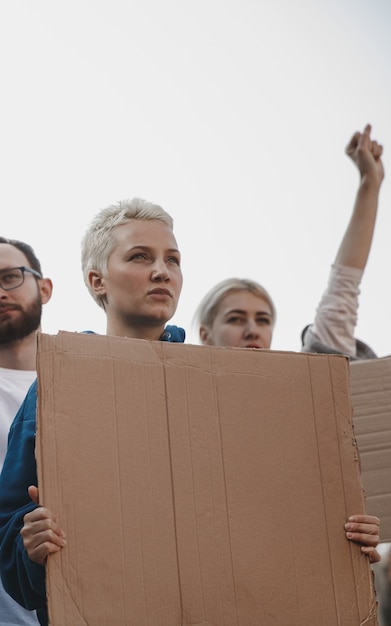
[{"x": 311, "y": 343}]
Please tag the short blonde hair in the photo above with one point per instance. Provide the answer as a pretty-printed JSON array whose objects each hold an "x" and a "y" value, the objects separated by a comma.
[{"x": 99, "y": 242}]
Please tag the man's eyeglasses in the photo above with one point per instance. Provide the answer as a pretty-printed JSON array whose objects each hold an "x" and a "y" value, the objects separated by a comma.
[{"x": 14, "y": 277}]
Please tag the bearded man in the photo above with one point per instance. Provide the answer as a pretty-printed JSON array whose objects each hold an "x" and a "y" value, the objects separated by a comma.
[{"x": 23, "y": 291}]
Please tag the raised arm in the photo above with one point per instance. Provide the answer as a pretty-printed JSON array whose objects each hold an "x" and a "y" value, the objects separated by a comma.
[
  {"x": 356, "y": 243},
  {"x": 336, "y": 315}
]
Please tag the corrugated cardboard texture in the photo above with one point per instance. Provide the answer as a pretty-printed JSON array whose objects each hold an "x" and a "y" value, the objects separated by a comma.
[
  {"x": 199, "y": 486},
  {"x": 371, "y": 395}
]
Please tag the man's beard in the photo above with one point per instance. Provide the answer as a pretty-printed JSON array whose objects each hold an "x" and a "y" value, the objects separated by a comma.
[{"x": 27, "y": 323}]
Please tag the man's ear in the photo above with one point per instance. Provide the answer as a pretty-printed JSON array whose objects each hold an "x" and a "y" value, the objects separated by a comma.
[
  {"x": 205, "y": 336},
  {"x": 46, "y": 289}
]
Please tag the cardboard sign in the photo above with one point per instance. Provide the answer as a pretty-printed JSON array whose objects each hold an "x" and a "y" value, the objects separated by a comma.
[
  {"x": 199, "y": 486},
  {"x": 371, "y": 396}
]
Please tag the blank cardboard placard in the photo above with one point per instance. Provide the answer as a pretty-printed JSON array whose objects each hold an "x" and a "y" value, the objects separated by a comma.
[
  {"x": 371, "y": 397},
  {"x": 199, "y": 486}
]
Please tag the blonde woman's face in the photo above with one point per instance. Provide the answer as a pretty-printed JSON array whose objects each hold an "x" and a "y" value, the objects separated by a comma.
[
  {"x": 143, "y": 281},
  {"x": 243, "y": 320}
]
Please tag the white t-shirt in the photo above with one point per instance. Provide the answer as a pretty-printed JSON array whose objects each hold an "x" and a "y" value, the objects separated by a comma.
[{"x": 14, "y": 385}]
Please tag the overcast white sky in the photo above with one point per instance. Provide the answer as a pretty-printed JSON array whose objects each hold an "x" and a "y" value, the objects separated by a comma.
[{"x": 231, "y": 114}]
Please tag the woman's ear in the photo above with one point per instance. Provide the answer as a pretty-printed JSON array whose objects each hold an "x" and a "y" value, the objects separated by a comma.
[
  {"x": 97, "y": 283},
  {"x": 205, "y": 336}
]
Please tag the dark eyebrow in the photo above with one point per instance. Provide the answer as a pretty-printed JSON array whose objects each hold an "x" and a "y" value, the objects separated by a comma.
[
  {"x": 242, "y": 312},
  {"x": 236, "y": 311}
]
